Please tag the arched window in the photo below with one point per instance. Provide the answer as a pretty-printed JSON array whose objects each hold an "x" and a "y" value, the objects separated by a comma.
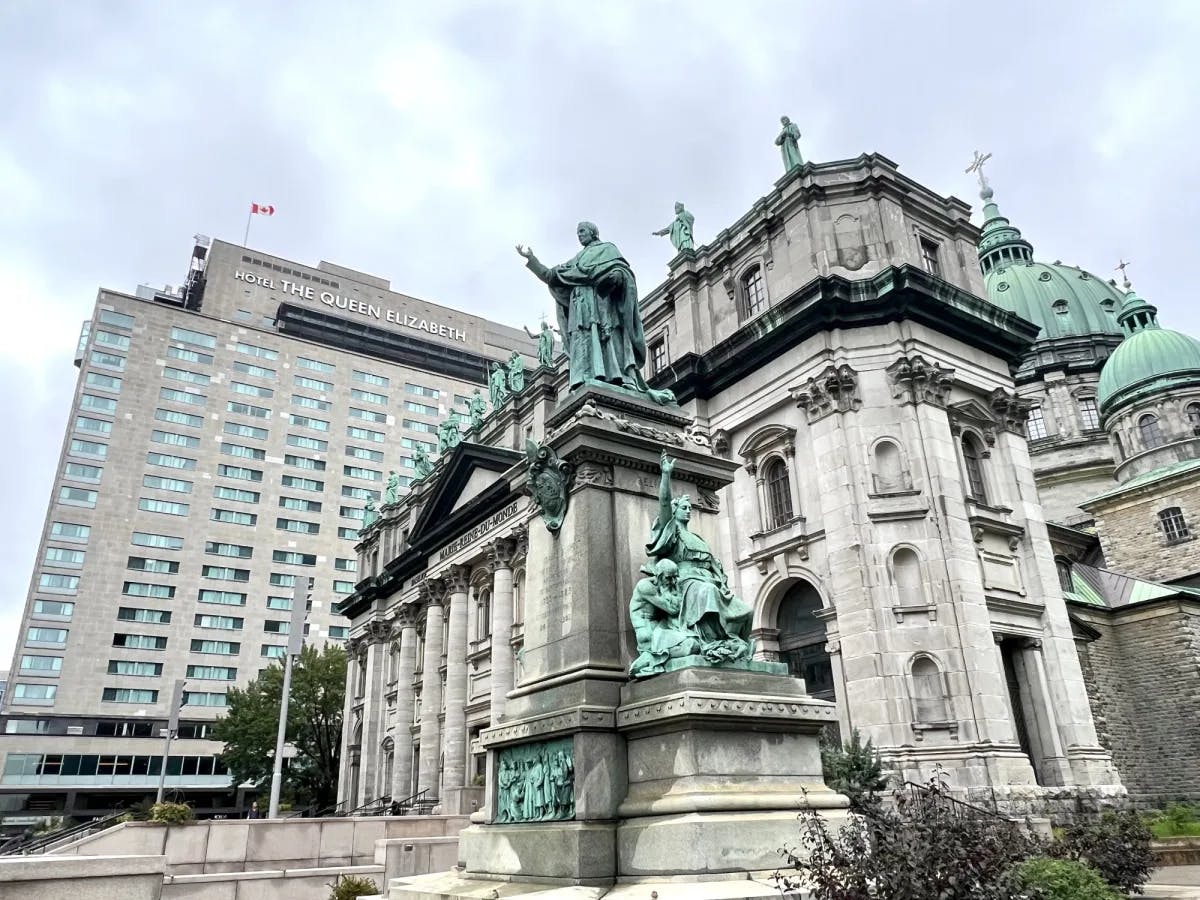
[
  {"x": 906, "y": 573},
  {"x": 929, "y": 693},
  {"x": 889, "y": 474},
  {"x": 1064, "y": 574},
  {"x": 1193, "y": 415},
  {"x": 802, "y": 639},
  {"x": 483, "y": 614},
  {"x": 754, "y": 291},
  {"x": 973, "y": 462},
  {"x": 1150, "y": 431},
  {"x": 779, "y": 493}
]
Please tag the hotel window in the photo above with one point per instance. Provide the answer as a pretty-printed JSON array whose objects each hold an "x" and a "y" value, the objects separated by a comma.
[
  {"x": 414, "y": 425},
  {"x": 199, "y": 338},
  {"x": 223, "y": 623},
  {"x": 48, "y": 581},
  {"x": 204, "y": 698},
  {"x": 134, "y": 667},
  {"x": 116, "y": 319},
  {"x": 1174, "y": 526},
  {"x": 368, "y": 396},
  {"x": 930, "y": 257},
  {"x": 343, "y": 587},
  {"x": 170, "y": 461},
  {"x": 345, "y": 565},
  {"x": 175, "y": 417},
  {"x": 221, "y": 598},
  {"x": 103, "y": 382},
  {"x": 212, "y": 673},
  {"x": 754, "y": 291},
  {"x": 233, "y": 517},
  {"x": 246, "y": 409},
  {"x": 167, "y": 484},
  {"x": 106, "y": 405},
  {"x": 350, "y": 512},
  {"x": 147, "y": 616},
  {"x": 156, "y": 566},
  {"x": 1150, "y": 431},
  {"x": 140, "y": 641},
  {"x": 74, "y": 496},
  {"x": 251, "y": 390},
  {"x": 185, "y": 375},
  {"x": 250, "y": 369},
  {"x": 70, "y": 531},
  {"x": 361, "y": 472},
  {"x": 299, "y": 504},
  {"x": 283, "y": 603},
  {"x": 304, "y": 484},
  {"x": 308, "y": 422},
  {"x": 161, "y": 541},
  {"x": 98, "y": 426},
  {"x": 174, "y": 396},
  {"x": 273, "y": 651},
  {"x": 277, "y": 626},
  {"x": 1035, "y": 425},
  {"x": 422, "y": 391},
  {"x": 145, "y": 589},
  {"x": 973, "y": 463},
  {"x": 41, "y": 663},
  {"x": 367, "y": 378},
  {"x": 64, "y": 558},
  {"x": 370, "y": 455},
  {"x": 348, "y": 534},
  {"x": 260, "y": 352},
  {"x": 218, "y": 648},
  {"x": 241, "y": 472},
  {"x": 244, "y": 452},
  {"x": 313, "y": 384},
  {"x": 237, "y": 551},
  {"x": 291, "y": 558},
  {"x": 120, "y": 341},
  {"x": 315, "y": 365},
  {"x": 359, "y": 493},
  {"x": 1089, "y": 414},
  {"x": 249, "y": 431},
  {"x": 108, "y": 360},
  {"x": 129, "y": 695},
  {"x": 88, "y": 448},
  {"x": 193, "y": 356},
  {"x": 297, "y": 526},
  {"x": 46, "y": 636},
  {"x": 423, "y": 409},
  {"x": 658, "y": 356},
  {"x": 34, "y": 692},
  {"x": 304, "y": 442},
  {"x": 81, "y": 472},
  {"x": 225, "y": 573},
  {"x": 368, "y": 415},
  {"x": 366, "y": 434},
  {"x": 166, "y": 507},
  {"x": 311, "y": 403}
]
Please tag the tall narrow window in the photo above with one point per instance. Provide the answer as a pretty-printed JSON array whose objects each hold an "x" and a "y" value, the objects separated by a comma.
[
  {"x": 1089, "y": 414},
  {"x": 973, "y": 462},
  {"x": 906, "y": 573},
  {"x": 754, "y": 292},
  {"x": 1035, "y": 425},
  {"x": 1150, "y": 431},
  {"x": 483, "y": 614},
  {"x": 1065, "y": 581},
  {"x": 779, "y": 494},
  {"x": 930, "y": 258},
  {"x": 658, "y": 356},
  {"x": 1174, "y": 525}
]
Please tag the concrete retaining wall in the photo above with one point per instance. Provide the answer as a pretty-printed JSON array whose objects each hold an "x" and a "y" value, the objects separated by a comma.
[{"x": 82, "y": 878}]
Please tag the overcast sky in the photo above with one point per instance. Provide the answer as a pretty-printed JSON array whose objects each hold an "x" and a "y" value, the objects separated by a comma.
[{"x": 419, "y": 142}]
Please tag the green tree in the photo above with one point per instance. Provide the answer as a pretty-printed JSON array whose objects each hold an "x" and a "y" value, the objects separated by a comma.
[
  {"x": 854, "y": 769},
  {"x": 314, "y": 726}
]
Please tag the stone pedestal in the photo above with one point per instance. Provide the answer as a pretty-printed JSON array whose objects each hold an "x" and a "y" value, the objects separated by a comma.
[{"x": 685, "y": 775}]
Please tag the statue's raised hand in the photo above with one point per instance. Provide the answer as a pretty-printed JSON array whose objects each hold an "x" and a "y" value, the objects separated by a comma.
[
  {"x": 525, "y": 251},
  {"x": 666, "y": 463}
]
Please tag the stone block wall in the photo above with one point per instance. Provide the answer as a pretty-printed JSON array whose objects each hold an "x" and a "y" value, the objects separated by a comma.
[
  {"x": 1133, "y": 540},
  {"x": 1143, "y": 678}
]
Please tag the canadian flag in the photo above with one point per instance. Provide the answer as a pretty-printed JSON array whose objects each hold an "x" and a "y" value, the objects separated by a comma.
[{"x": 262, "y": 209}]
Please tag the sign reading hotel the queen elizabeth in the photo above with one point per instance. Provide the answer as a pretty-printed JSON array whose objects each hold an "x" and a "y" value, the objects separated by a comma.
[{"x": 349, "y": 304}]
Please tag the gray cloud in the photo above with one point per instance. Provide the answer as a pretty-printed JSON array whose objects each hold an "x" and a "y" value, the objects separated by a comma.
[{"x": 420, "y": 145}]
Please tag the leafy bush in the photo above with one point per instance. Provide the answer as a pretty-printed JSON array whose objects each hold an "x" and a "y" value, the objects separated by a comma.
[
  {"x": 1117, "y": 845},
  {"x": 927, "y": 846},
  {"x": 171, "y": 813},
  {"x": 1178, "y": 820},
  {"x": 854, "y": 769},
  {"x": 1062, "y": 879},
  {"x": 351, "y": 887}
]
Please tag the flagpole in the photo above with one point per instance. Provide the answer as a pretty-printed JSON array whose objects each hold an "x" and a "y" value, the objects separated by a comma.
[{"x": 246, "y": 236}]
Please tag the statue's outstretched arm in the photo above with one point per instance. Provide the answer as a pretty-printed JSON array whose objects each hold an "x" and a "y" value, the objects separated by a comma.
[{"x": 667, "y": 465}]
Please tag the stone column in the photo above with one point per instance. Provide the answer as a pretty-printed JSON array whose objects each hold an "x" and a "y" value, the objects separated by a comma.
[
  {"x": 789, "y": 451},
  {"x": 500, "y": 555},
  {"x": 1054, "y": 760},
  {"x": 378, "y": 649},
  {"x": 345, "y": 776},
  {"x": 454, "y": 734},
  {"x": 431, "y": 689},
  {"x": 406, "y": 622}
]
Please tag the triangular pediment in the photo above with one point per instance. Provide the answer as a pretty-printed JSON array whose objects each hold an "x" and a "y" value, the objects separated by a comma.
[
  {"x": 467, "y": 483},
  {"x": 972, "y": 411}
]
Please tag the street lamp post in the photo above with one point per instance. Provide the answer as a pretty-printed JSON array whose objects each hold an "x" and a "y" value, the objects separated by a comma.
[
  {"x": 172, "y": 728},
  {"x": 295, "y": 645}
]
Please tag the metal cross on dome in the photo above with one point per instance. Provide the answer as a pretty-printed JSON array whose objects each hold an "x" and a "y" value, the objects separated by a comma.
[
  {"x": 977, "y": 167},
  {"x": 1121, "y": 267}
]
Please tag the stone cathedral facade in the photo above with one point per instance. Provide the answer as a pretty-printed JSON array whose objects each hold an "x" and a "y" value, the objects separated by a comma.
[{"x": 885, "y": 521}]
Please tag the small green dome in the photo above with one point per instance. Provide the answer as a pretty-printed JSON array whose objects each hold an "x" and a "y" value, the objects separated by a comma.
[
  {"x": 1150, "y": 360},
  {"x": 1064, "y": 300}
]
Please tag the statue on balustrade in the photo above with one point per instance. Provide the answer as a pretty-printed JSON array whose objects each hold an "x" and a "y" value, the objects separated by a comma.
[
  {"x": 421, "y": 462},
  {"x": 370, "y": 513},
  {"x": 449, "y": 434},
  {"x": 476, "y": 410},
  {"x": 498, "y": 386},
  {"x": 516, "y": 372},
  {"x": 545, "y": 339},
  {"x": 697, "y": 590},
  {"x": 392, "y": 493}
]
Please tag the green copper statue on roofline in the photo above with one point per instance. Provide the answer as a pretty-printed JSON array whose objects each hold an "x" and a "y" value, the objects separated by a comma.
[{"x": 595, "y": 296}]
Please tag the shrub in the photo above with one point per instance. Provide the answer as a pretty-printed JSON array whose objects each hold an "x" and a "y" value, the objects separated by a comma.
[
  {"x": 351, "y": 887},
  {"x": 1178, "y": 820},
  {"x": 1117, "y": 845},
  {"x": 854, "y": 769},
  {"x": 927, "y": 846},
  {"x": 1062, "y": 879},
  {"x": 171, "y": 813}
]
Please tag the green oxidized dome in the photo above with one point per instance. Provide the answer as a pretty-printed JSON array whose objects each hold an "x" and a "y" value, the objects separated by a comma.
[
  {"x": 1064, "y": 300},
  {"x": 1150, "y": 360}
]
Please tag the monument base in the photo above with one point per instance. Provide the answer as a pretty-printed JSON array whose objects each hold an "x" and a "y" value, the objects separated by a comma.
[{"x": 457, "y": 885}]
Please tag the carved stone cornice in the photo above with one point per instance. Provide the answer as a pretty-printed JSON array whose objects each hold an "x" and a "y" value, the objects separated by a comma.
[
  {"x": 834, "y": 390},
  {"x": 914, "y": 379},
  {"x": 457, "y": 579},
  {"x": 1011, "y": 411}
]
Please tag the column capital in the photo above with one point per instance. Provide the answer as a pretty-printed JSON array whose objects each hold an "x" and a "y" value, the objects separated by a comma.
[
  {"x": 457, "y": 578},
  {"x": 406, "y": 616},
  {"x": 434, "y": 591},
  {"x": 501, "y": 553},
  {"x": 378, "y": 631}
]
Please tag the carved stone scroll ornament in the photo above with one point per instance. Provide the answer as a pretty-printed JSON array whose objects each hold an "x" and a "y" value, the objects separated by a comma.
[
  {"x": 625, "y": 425},
  {"x": 536, "y": 782},
  {"x": 550, "y": 483},
  {"x": 834, "y": 390},
  {"x": 1011, "y": 411},
  {"x": 914, "y": 379}
]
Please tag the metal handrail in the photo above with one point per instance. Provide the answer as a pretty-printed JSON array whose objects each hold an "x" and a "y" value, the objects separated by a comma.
[
  {"x": 922, "y": 793},
  {"x": 40, "y": 843}
]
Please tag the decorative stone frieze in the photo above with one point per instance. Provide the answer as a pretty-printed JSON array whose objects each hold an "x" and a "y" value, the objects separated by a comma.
[
  {"x": 582, "y": 718},
  {"x": 593, "y": 474},
  {"x": 834, "y": 390},
  {"x": 914, "y": 379}
]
